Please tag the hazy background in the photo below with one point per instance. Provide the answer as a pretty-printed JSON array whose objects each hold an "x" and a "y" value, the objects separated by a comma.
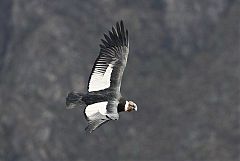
[{"x": 183, "y": 72}]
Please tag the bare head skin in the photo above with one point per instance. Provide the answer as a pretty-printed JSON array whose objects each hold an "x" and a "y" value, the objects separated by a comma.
[{"x": 130, "y": 106}]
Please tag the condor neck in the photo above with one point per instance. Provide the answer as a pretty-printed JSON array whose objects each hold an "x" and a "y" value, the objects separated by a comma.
[{"x": 121, "y": 105}]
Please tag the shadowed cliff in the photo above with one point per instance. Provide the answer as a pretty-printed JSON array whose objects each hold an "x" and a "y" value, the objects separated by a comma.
[{"x": 183, "y": 72}]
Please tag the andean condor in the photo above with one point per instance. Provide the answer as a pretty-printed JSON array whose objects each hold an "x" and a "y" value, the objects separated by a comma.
[{"x": 104, "y": 101}]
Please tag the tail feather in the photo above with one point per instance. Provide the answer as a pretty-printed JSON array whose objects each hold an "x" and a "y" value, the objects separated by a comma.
[{"x": 74, "y": 99}]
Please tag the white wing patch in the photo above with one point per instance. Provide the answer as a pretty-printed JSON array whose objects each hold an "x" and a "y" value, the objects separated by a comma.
[
  {"x": 100, "y": 81},
  {"x": 92, "y": 109}
]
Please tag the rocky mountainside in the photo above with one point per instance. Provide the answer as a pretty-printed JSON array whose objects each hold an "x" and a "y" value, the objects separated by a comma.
[{"x": 183, "y": 72}]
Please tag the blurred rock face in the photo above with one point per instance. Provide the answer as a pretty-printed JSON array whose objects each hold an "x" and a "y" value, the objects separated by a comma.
[{"x": 183, "y": 72}]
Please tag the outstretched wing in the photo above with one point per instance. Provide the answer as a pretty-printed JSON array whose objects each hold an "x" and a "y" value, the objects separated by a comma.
[
  {"x": 95, "y": 123},
  {"x": 109, "y": 66},
  {"x": 100, "y": 113}
]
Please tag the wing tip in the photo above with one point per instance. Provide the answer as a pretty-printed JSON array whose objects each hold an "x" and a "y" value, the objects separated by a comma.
[
  {"x": 117, "y": 36},
  {"x": 89, "y": 129},
  {"x": 94, "y": 124}
]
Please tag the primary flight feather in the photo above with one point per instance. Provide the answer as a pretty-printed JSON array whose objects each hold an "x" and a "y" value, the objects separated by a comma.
[{"x": 103, "y": 101}]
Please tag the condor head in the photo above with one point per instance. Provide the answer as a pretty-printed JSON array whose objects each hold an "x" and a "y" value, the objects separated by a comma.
[{"x": 130, "y": 106}]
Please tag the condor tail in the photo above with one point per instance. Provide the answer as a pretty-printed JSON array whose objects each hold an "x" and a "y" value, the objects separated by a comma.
[{"x": 74, "y": 99}]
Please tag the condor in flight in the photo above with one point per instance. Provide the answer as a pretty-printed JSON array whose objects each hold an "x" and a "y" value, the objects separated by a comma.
[{"x": 104, "y": 101}]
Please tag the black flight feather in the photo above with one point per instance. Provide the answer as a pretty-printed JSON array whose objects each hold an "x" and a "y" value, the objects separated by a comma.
[{"x": 114, "y": 51}]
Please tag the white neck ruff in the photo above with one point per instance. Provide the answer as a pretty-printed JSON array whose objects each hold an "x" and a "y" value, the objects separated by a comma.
[{"x": 126, "y": 106}]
